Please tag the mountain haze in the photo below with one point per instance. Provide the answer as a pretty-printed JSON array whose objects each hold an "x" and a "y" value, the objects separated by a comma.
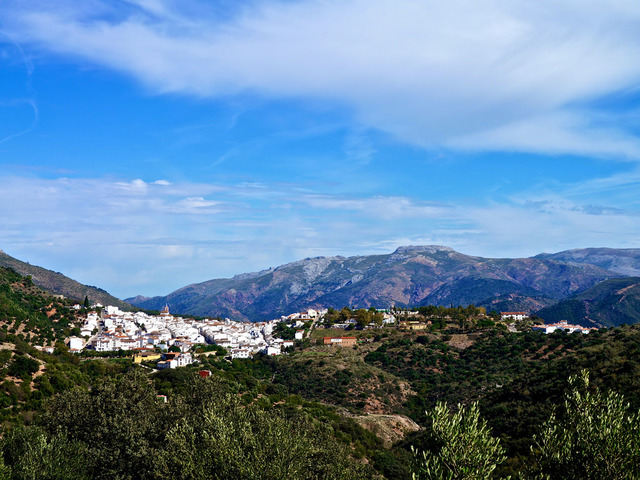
[
  {"x": 625, "y": 261},
  {"x": 413, "y": 275}
]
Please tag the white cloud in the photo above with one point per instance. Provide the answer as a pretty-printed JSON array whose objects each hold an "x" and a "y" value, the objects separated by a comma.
[
  {"x": 157, "y": 239},
  {"x": 390, "y": 207},
  {"x": 193, "y": 204},
  {"x": 557, "y": 133},
  {"x": 488, "y": 74}
]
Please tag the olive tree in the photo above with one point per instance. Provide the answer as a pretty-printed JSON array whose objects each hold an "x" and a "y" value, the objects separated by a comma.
[
  {"x": 463, "y": 448},
  {"x": 224, "y": 439},
  {"x": 594, "y": 436}
]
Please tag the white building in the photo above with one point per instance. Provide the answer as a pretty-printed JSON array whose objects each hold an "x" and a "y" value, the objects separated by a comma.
[
  {"x": 562, "y": 325},
  {"x": 272, "y": 350},
  {"x": 175, "y": 360},
  {"x": 515, "y": 316},
  {"x": 241, "y": 353},
  {"x": 76, "y": 343}
]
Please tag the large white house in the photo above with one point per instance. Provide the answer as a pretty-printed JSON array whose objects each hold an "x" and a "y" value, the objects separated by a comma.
[{"x": 175, "y": 360}]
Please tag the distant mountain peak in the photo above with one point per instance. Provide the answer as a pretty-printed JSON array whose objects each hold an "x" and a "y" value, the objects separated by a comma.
[
  {"x": 409, "y": 251},
  {"x": 241, "y": 276},
  {"x": 431, "y": 249}
]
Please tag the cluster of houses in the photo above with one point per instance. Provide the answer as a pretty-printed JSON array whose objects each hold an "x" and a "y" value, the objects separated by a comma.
[
  {"x": 513, "y": 316},
  {"x": 549, "y": 327},
  {"x": 138, "y": 332},
  {"x": 142, "y": 334}
]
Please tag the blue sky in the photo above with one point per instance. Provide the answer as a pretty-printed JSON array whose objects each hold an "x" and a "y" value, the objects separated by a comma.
[{"x": 149, "y": 144}]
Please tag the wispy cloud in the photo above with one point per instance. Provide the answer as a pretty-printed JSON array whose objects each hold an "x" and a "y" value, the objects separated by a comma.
[
  {"x": 387, "y": 207},
  {"x": 146, "y": 236},
  {"x": 485, "y": 75},
  {"x": 11, "y": 101}
]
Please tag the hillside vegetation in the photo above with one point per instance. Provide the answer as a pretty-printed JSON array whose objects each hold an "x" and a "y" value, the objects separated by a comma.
[{"x": 319, "y": 412}]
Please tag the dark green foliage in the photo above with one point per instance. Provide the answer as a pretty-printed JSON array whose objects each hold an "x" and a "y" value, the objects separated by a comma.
[
  {"x": 224, "y": 440},
  {"x": 23, "y": 366},
  {"x": 120, "y": 422},
  {"x": 31, "y": 454},
  {"x": 23, "y": 305},
  {"x": 595, "y": 436},
  {"x": 462, "y": 446},
  {"x": 120, "y": 430},
  {"x": 285, "y": 332}
]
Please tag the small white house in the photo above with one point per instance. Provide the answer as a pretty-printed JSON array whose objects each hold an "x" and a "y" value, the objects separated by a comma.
[
  {"x": 175, "y": 360},
  {"x": 240, "y": 353}
]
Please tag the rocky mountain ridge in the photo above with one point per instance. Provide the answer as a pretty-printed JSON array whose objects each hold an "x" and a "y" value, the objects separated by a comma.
[
  {"x": 625, "y": 261},
  {"x": 409, "y": 276}
]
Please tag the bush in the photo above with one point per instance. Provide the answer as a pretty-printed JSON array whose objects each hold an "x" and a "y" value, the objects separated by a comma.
[{"x": 23, "y": 366}]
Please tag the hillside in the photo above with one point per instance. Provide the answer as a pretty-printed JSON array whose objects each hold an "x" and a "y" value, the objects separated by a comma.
[
  {"x": 361, "y": 407},
  {"x": 30, "y": 313},
  {"x": 418, "y": 275},
  {"x": 518, "y": 378},
  {"x": 611, "y": 303},
  {"x": 57, "y": 283}
]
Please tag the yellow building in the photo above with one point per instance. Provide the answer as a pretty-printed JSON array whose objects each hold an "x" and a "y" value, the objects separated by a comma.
[{"x": 146, "y": 357}]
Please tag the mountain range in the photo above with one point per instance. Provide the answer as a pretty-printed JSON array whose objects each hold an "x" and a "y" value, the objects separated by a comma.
[
  {"x": 591, "y": 286},
  {"x": 410, "y": 276}
]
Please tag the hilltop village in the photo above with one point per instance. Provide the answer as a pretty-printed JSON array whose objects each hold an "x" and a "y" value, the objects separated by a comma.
[
  {"x": 141, "y": 333},
  {"x": 172, "y": 339}
]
